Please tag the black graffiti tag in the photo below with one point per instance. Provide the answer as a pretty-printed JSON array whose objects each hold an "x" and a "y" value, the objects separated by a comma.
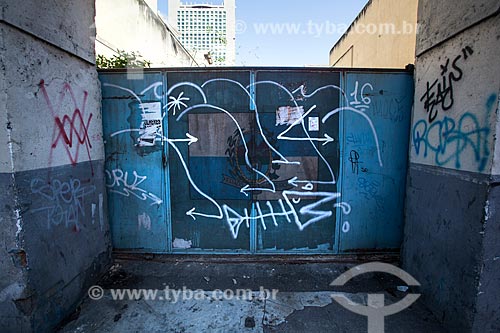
[{"x": 440, "y": 92}]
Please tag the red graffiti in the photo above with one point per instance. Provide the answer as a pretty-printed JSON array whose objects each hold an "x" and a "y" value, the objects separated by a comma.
[{"x": 72, "y": 130}]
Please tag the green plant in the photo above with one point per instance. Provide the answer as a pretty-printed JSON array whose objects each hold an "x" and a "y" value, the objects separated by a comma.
[{"x": 122, "y": 59}]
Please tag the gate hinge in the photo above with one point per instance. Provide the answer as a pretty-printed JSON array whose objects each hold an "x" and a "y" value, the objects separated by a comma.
[{"x": 164, "y": 160}]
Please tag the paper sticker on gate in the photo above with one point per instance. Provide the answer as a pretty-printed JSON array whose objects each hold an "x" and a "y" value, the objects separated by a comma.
[{"x": 151, "y": 129}]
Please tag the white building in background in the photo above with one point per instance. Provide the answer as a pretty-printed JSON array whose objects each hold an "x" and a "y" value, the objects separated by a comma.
[
  {"x": 136, "y": 26},
  {"x": 206, "y": 29}
]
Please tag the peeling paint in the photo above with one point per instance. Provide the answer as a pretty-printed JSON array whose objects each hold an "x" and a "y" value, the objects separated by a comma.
[
  {"x": 18, "y": 223},
  {"x": 288, "y": 115},
  {"x": 19, "y": 258},
  {"x": 144, "y": 221},
  {"x": 101, "y": 212},
  {"x": 12, "y": 292},
  {"x": 288, "y": 302},
  {"x": 11, "y": 147},
  {"x": 93, "y": 212},
  {"x": 180, "y": 243}
]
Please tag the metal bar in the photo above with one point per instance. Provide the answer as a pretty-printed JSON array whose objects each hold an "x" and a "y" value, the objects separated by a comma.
[
  {"x": 252, "y": 91},
  {"x": 253, "y": 222},
  {"x": 166, "y": 170},
  {"x": 257, "y": 68},
  {"x": 253, "y": 230},
  {"x": 235, "y": 258},
  {"x": 339, "y": 215}
]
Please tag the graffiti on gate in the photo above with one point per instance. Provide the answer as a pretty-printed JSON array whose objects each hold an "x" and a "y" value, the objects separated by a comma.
[
  {"x": 298, "y": 200},
  {"x": 119, "y": 182},
  {"x": 354, "y": 158}
]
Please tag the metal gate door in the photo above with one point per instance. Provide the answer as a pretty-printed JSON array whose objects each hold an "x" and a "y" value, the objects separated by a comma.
[
  {"x": 256, "y": 160},
  {"x": 135, "y": 179}
]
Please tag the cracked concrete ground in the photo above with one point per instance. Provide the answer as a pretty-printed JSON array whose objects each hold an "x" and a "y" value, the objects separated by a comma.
[{"x": 303, "y": 301}]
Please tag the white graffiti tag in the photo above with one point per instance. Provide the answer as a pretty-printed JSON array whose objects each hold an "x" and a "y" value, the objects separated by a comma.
[
  {"x": 63, "y": 201},
  {"x": 315, "y": 205},
  {"x": 118, "y": 182}
]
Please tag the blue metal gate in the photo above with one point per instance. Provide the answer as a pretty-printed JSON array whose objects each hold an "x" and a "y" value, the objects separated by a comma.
[{"x": 261, "y": 160}]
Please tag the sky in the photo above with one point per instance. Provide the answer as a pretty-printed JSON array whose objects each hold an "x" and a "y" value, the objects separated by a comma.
[{"x": 288, "y": 32}]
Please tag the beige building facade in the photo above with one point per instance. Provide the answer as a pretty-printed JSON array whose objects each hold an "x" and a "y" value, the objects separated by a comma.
[{"x": 383, "y": 35}]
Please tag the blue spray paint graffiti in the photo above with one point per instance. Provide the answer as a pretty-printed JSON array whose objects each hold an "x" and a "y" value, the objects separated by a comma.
[{"x": 448, "y": 140}]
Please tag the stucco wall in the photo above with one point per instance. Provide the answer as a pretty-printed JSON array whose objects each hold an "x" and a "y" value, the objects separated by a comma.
[
  {"x": 64, "y": 24},
  {"x": 369, "y": 43},
  {"x": 54, "y": 230},
  {"x": 452, "y": 232},
  {"x": 131, "y": 25},
  {"x": 456, "y": 99},
  {"x": 438, "y": 20}
]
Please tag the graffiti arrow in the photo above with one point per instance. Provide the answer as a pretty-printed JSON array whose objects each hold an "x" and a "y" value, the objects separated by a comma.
[
  {"x": 247, "y": 188},
  {"x": 326, "y": 140},
  {"x": 295, "y": 182},
  {"x": 209, "y": 198},
  {"x": 155, "y": 199},
  {"x": 192, "y": 213},
  {"x": 190, "y": 139}
]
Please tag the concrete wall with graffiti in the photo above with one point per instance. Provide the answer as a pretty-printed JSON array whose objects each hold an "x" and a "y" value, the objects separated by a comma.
[
  {"x": 149, "y": 34},
  {"x": 456, "y": 99},
  {"x": 54, "y": 235},
  {"x": 452, "y": 231}
]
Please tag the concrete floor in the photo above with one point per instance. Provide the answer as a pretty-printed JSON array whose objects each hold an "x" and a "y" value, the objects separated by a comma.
[{"x": 303, "y": 303}]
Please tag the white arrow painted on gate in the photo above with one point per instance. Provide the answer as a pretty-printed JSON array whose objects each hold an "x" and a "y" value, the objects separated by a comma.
[
  {"x": 326, "y": 139},
  {"x": 190, "y": 139}
]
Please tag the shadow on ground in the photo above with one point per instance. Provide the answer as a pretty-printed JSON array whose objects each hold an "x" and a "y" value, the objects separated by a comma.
[{"x": 186, "y": 301}]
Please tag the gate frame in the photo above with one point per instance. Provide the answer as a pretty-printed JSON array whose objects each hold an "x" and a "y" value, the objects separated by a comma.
[{"x": 253, "y": 251}]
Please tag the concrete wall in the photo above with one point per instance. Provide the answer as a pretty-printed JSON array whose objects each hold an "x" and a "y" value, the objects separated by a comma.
[
  {"x": 131, "y": 25},
  {"x": 452, "y": 233},
  {"x": 54, "y": 230},
  {"x": 382, "y": 36}
]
